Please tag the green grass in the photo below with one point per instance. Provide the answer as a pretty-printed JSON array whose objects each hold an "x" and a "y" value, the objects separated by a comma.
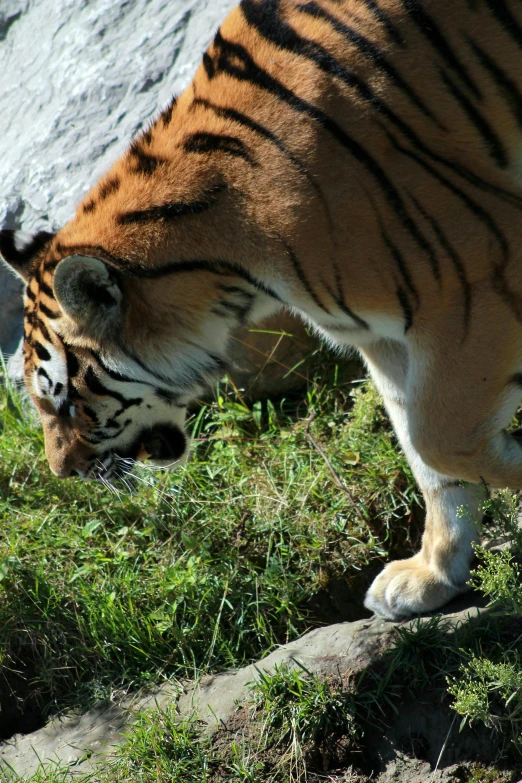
[
  {"x": 198, "y": 570},
  {"x": 248, "y": 546}
]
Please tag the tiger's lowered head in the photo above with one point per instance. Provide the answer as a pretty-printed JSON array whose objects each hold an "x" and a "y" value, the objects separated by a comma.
[
  {"x": 357, "y": 162},
  {"x": 112, "y": 357}
]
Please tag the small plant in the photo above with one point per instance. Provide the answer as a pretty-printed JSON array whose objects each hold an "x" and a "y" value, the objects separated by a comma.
[
  {"x": 294, "y": 701},
  {"x": 491, "y": 693},
  {"x": 500, "y": 579},
  {"x": 501, "y": 508}
]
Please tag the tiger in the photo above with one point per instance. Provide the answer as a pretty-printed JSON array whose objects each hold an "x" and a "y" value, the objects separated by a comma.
[{"x": 355, "y": 162}]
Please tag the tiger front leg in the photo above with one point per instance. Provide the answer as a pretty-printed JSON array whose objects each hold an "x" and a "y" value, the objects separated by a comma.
[{"x": 440, "y": 570}]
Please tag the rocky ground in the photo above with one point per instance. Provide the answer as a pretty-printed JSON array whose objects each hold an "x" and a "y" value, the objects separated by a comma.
[{"x": 422, "y": 744}]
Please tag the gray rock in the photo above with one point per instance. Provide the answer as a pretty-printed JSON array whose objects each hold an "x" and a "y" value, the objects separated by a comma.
[
  {"x": 99, "y": 72},
  {"x": 69, "y": 104}
]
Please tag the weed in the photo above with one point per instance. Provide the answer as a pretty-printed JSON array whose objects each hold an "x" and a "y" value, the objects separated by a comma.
[
  {"x": 482, "y": 684},
  {"x": 500, "y": 579},
  {"x": 161, "y": 749},
  {"x": 297, "y": 703}
]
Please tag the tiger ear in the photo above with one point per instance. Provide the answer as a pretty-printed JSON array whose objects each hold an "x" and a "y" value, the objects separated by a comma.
[
  {"x": 88, "y": 293},
  {"x": 18, "y": 249}
]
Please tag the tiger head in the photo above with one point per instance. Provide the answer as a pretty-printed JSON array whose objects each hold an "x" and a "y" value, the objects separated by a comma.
[{"x": 109, "y": 375}]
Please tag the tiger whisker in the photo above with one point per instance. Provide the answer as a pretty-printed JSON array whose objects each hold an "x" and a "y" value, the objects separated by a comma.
[{"x": 168, "y": 497}]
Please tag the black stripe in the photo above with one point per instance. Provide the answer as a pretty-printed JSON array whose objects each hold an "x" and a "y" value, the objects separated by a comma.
[
  {"x": 10, "y": 252},
  {"x": 143, "y": 162},
  {"x": 42, "y": 352},
  {"x": 265, "y": 133},
  {"x": 472, "y": 205},
  {"x": 506, "y": 85},
  {"x": 482, "y": 126},
  {"x": 505, "y": 17},
  {"x": 38, "y": 323},
  {"x": 203, "y": 143},
  {"x": 385, "y": 20},
  {"x": 52, "y": 314},
  {"x": 455, "y": 259},
  {"x": 90, "y": 414},
  {"x": 224, "y": 308},
  {"x": 116, "y": 376},
  {"x": 166, "y": 114},
  {"x": 179, "y": 385},
  {"x": 89, "y": 206},
  {"x": 235, "y": 61},
  {"x": 401, "y": 264},
  {"x": 41, "y": 371},
  {"x": 406, "y": 307},
  {"x": 430, "y": 29},
  {"x": 235, "y": 289},
  {"x": 169, "y": 397},
  {"x": 110, "y": 186},
  {"x": 30, "y": 294},
  {"x": 95, "y": 386},
  {"x": 135, "y": 358},
  {"x": 298, "y": 269},
  {"x": 73, "y": 365},
  {"x": 46, "y": 289},
  {"x": 372, "y": 52},
  {"x": 29, "y": 316},
  {"x": 90, "y": 439},
  {"x": 381, "y": 16},
  {"x": 208, "y": 65},
  {"x": 341, "y": 304},
  {"x": 172, "y": 211}
]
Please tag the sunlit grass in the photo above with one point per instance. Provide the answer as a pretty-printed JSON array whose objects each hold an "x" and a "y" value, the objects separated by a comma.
[{"x": 201, "y": 569}]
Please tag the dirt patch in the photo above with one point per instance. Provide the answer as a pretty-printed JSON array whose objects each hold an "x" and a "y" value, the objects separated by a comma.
[
  {"x": 411, "y": 754},
  {"x": 416, "y": 740}
]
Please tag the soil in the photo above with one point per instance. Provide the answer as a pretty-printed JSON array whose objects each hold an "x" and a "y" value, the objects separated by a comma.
[
  {"x": 419, "y": 742},
  {"x": 400, "y": 755}
]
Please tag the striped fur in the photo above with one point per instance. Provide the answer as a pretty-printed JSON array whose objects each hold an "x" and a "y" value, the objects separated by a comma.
[{"x": 357, "y": 162}]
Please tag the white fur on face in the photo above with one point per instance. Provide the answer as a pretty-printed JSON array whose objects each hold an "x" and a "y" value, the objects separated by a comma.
[{"x": 51, "y": 382}]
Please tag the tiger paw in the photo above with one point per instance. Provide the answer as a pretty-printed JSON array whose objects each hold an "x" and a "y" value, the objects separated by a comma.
[{"x": 409, "y": 587}]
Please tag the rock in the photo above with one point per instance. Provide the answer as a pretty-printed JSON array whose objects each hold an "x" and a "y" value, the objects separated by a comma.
[
  {"x": 69, "y": 106},
  {"x": 83, "y": 742}
]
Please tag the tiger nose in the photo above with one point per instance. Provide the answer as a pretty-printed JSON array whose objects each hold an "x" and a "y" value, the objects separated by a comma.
[
  {"x": 64, "y": 467},
  {"x": 63, "y": 472}
]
